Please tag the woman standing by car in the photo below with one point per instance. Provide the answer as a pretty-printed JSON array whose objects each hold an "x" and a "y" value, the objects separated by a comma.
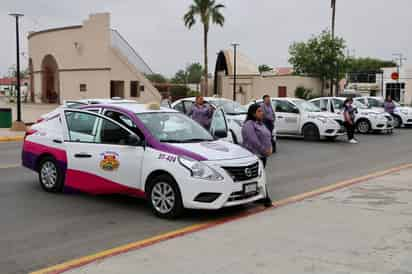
[
  {"x": 349, "y": 120},
  {"x": 389, "y": 105},
  {"x": 257, "y": 138},
  {"x": 201, "y": 113}
]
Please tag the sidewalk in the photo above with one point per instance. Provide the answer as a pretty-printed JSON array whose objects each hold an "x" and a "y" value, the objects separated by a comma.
[
  {"x": 365, "y": 228},
  {"x": 6, "y": 135}
]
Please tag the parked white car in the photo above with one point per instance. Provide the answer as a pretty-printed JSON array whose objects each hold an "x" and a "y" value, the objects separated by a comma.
[
  {"x": 298, "y": 117},
  {"x": 84, "y": 102},
  {"x": 133, "y": 149},
  {"x": 366, "y": 120},
  {"x": 234, "y": 112},
  {"x": 402, "y": 114}
]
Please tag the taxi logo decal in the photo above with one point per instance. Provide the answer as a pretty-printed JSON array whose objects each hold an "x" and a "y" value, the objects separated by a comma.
[
  {"x": 110, "y": 161},
  {"x": 216, "y": 146}
]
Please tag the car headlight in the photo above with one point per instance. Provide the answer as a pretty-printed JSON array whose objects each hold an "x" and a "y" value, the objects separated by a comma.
[
  {"x": 199, "y": 170},
  {"x": 405, "y": 111},
  {"x": 323, "y": 119},
  {"x": 373, "y": 115}
]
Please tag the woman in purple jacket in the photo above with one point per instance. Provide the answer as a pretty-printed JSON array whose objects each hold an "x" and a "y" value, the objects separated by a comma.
[
  {"x": 201, "y": 113},
  {"x": 257, "y": 138}
]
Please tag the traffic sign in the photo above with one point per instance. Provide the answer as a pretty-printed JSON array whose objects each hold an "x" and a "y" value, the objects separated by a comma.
[{"x": 395, "y": 76}]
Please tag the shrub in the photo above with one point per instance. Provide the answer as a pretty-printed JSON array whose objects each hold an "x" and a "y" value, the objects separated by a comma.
[
  {"x": 178, "y": 92},
  {"x": 303, "y": 93}
]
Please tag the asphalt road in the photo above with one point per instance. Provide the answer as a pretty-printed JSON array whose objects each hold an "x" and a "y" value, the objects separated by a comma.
[{"x": 39, "y": 229}]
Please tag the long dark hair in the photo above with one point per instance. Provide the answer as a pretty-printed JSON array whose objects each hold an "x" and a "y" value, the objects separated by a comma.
[
  {"x": 349, "y": 99},
  {"x": 251, "y": 112}
]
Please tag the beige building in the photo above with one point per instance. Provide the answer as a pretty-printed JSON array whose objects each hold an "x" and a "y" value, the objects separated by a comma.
[
  {"x": 86, "y": 61},
  {"x": 250, "y": 84}
]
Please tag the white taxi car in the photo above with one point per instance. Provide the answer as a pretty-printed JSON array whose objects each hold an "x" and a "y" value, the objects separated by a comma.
[
  {"x": 297, "y": 117},
  {"x": 234, "y": 112},
  {"x": 402, "y": 115},
  {"x": 144, "y": 151},
  {"x": 366, "y": 120}
]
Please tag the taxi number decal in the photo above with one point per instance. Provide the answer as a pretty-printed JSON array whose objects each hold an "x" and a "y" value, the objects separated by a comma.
[{"x": 166, "y": 157}]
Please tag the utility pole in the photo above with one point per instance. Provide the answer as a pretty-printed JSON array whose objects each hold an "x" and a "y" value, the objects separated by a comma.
[
  {"x": 399, "y": 60},
  {"x": 235, "y": 45},
  {"x": 16, "y": 16},
  {"x": 333, "y": 6}
]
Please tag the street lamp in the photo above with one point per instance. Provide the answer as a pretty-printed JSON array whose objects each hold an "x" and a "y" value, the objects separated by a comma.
[
  {"x": 16, "y": 16},
  {"x": 234, "y": 45}
]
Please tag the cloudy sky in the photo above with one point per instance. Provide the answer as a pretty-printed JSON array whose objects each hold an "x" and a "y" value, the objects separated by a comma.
[{"x": 264, "y": 28}]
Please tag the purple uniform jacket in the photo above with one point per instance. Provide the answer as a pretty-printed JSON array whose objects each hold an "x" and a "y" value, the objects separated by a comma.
[
  {"x": 256, "y": 137},
  {"x": 389, "y": 106},
  {"x": 201, "y": 114},
  {"x": 268, "y": 112}
]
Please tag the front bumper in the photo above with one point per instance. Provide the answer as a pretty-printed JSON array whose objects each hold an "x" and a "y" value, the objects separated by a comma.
[
  {"x": 332, "y": 129},
  {"x": 383, "y": 123},
  {"x": 202, "y": 194}
]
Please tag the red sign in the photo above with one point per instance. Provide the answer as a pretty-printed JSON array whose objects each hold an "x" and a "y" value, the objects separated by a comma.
[{"x": 395, "y": 76}]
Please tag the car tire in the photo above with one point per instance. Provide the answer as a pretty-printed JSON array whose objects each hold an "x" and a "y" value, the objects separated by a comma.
[
  {"x": 363, "y": 126},
  {"x": 51, "y": 177},
  {"x": 311, "y": 132},
  {"x": 164, "y": 197},
  {"x": 397, "y": 121}
]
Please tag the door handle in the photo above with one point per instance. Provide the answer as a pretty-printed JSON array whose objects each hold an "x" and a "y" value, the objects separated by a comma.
[
  {"x": 57, "y": 141},
  {"x": 82, "y": 155},
  {"x": 280, "y": 117}
]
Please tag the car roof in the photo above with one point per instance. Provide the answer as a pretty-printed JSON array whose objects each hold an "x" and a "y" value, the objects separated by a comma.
[{"x": 133, "y": 107}]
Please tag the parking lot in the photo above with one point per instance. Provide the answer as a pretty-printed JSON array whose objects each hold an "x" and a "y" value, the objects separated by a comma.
[{"x": 43, "y": 229}]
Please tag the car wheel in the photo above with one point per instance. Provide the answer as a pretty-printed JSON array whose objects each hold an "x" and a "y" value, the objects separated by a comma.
[
  {"x": 363, "y": 126},
  {"x": 165, "y": 198},
  {"x": 311, "y": 133},
  {"x": 50, "y": 175},
  {"x": 397, "y": 122}
]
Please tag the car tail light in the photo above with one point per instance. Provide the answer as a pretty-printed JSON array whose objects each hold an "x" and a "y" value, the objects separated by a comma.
[
  {"x": 39, "y": 120},
  {"x": 29, "y": 132}
]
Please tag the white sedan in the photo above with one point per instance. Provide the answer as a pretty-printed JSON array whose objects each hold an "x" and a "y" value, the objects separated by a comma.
[
  {"x": 297, "y": 117},
  {"x": 402, "y": 115},
  {"x": 144, "y": 151},
  {"x": 366, "y": 120}
]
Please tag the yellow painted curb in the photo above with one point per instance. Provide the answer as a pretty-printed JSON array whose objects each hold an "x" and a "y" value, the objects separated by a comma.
[
  {"x": 11, "y": 138},
  {"x": 60, "y": 268}
]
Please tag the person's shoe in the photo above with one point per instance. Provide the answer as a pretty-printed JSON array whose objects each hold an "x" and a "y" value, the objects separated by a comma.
[{"x": 353, "y": 141}]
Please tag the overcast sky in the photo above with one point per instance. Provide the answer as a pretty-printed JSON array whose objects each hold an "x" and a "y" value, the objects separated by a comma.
[{"x": 264, "y": 28}]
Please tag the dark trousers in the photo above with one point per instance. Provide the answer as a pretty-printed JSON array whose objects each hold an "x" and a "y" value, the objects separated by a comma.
[
  {"x": 263, "y": 159},
  {"x": 350, "y": 129},
  {"x": 270, "y": 125}
]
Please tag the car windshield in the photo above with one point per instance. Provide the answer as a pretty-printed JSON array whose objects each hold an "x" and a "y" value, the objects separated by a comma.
[
  {"x": 174, "y": 127},
  {"x": 230, "y": 107},
  {"x": 359, "y": 105},
  {"x": 306, "y": 106}
]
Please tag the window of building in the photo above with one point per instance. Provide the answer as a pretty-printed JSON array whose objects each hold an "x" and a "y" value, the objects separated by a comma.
[
  {"x": 141, "y": 88},
  {"x": 282, "y": 91},
  {"x": 134, "y": 92},
  {"x": 83, "y": 87}
]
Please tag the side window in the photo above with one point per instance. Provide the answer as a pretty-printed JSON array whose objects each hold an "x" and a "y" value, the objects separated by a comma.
[
  {"x": 179, "y": 107},
  {"x": 188, "y": 106},
  {"x": 284, "y": 106},
  {"x": 110, "y": 133},
  {"x": 337, "y": 104},
  {"x": 124, "y": 120},
  {"x": 81, "y": 126},
  {"x": 89, "y": 128},
  {"x": 374, "y": 103},
  {"x": 323, "y": 104},
  {"x": 219, "y": 122},
  {"x": 316, "y": 103}
]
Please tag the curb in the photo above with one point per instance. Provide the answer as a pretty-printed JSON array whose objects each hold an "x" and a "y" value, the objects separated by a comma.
[
  {"x": 11, "y": 138},
  {"x": 82, "y": 261}
]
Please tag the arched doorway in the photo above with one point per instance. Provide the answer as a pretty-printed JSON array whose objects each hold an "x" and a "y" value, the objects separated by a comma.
[
  {"x": 50, "y": 80},
  {"x": 31, "y": 85}
]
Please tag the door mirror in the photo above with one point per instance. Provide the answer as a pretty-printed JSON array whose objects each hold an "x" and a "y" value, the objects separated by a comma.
[
  {"x": 133, "y": 140},
  {"x": 324, "y": 109},
  {"x": 219, "y": 134},
  {"x": 295, "y": 110}
]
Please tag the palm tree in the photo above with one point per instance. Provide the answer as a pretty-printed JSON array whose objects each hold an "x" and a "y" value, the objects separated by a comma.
[{"x": 209, "y": 12}]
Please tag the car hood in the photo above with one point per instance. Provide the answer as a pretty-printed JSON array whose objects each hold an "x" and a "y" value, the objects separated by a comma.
[
  {"x": 216, "y": 150},
  {"x": 329, "y": 115},
  {"x": 369, "y": 111}
]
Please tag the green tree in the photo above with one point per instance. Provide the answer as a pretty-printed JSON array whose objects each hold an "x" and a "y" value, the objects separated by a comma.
[
  {"x": 209, "y": 12},
  {"x": 194, "y": 73},
  {"x": 367, "y": 64},
  {"x": 264, "y": 68},
  {"x": 319, "y": 57},
  {"x": 180, "y": 77},
  {"x": 157, "y": 78}
]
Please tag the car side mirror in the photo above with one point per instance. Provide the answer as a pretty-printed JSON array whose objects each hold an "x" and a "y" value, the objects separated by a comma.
[
  {"x": 220, "y": 134},
  {"x": 324, "y": 109},
  {"x": 133, "y": 140},
  {"x": 296, "y": 111}
]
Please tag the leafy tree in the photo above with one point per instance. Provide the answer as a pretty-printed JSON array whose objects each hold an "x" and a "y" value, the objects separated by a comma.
[
  {"x": 319, "y": 57},
  {"x": 178, "y": 91},
  {"x": 194, "y": 73},
  {"x": 209, "y": 12},
  {"x": 157, "y": 78},
  {"x": 264, "y": 68},
  {"x": 303, "y": 93},
  {"x": 367, "y": 64},
  {"x": 180, "y": 77}
]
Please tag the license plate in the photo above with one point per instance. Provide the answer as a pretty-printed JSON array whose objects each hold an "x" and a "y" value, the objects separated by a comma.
[{"x": 250, "y": 188}]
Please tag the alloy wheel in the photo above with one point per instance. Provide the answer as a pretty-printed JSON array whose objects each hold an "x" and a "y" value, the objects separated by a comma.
[
  {"x": 163, "y": 197},
  {"x": 48, "y": 174}
]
